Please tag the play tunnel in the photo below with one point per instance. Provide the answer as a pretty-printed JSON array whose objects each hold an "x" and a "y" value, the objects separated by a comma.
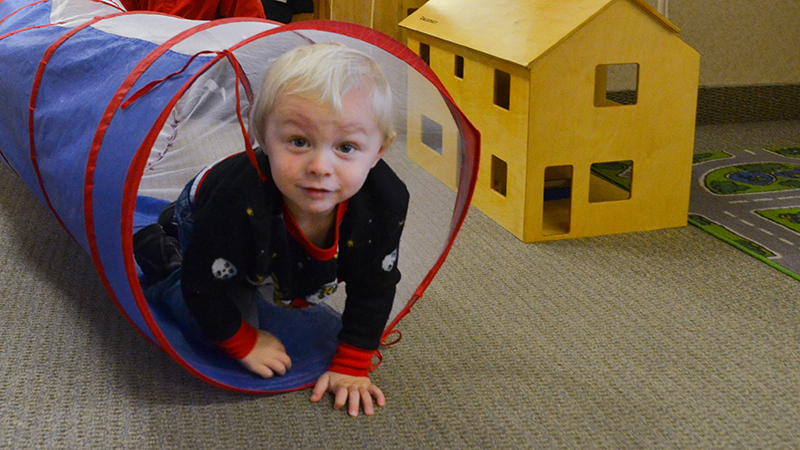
[{"x": 106, "y": 115}]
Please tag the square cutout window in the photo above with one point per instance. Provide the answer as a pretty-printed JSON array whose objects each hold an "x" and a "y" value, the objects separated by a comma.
[
  {"x": 425, "y": 53},
  {"x": 616, "y": 84},
  {"x": 459, "y": 67},
  {"x": 499, "y": 175},
  {"x": 432, "y": 133},
  {"x": 502, "y": 89},
  {"x": 557, "y": 212},
  {"x": 610, "y": 181}
]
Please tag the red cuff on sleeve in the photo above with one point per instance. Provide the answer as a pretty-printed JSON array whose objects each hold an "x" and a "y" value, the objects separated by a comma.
[
  {"x": 241, "y": 343},
  {"x": 350, "y": 360}
]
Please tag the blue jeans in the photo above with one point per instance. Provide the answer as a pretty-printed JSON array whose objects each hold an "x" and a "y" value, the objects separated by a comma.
[{"x": 184, "y": 215}]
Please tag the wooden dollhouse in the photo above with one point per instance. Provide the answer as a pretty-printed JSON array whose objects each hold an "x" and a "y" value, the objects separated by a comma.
[{"x": 586, "y": 110}]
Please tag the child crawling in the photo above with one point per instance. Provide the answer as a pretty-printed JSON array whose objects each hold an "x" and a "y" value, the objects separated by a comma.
[{"x": 328, "y": 209}]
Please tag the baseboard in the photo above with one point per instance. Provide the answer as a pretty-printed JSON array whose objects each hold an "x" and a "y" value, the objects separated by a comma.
[{"x": 737, "y": 104}]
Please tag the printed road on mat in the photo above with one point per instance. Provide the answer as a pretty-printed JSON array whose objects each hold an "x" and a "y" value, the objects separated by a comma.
[{"x": 751, "y": 199}]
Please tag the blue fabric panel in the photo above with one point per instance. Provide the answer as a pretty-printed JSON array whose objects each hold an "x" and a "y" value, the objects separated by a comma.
[
  {"x": 125, "y": 133},
  {"x": 21, "y": 53},
  {"x": 127, "y": 129},
  {"x": 34, "y": 15},
  {"x": 147, "y": 211},
  {"x": 309, "y": 336},
  {"x": 78, "y": 84}
]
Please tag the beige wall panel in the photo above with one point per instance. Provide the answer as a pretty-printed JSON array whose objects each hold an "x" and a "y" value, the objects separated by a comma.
[
  {"x": 382, "y": 15},
  {"x": 386, "y": 16},
  {"x": 743, "y": 42},
  {"x": 355, "y": 11}
]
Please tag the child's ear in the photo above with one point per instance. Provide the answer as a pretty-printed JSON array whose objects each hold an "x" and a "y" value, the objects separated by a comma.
[{"x": 385, "y": 147}]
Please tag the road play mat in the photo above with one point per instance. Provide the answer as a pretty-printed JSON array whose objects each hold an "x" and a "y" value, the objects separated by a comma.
[{"x": 751, "y": 199}]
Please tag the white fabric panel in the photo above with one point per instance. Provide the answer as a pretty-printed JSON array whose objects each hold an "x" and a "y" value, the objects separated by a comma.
[
  {"x": 72, "y": 13},
  {"x": 155, "y": 28},
  {"x": 203, "y": 128}
]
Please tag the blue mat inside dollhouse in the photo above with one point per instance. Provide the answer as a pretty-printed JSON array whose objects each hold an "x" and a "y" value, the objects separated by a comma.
[{"x": 617, "y": 173}]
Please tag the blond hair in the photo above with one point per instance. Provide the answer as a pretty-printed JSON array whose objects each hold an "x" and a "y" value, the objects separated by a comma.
[{"x": 323, "y": 73}]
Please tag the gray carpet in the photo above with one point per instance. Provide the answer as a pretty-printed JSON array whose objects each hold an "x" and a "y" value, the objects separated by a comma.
[{"x": 662, "y": 339}]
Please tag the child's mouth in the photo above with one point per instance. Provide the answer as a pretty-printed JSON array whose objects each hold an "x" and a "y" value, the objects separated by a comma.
[{"x": 316, "y": 193}]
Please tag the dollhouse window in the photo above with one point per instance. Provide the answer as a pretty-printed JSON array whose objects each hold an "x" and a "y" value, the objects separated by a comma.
[
  {"x": 425, "y": 53},
  {"x": 502, "y": 89},
  {"x": 459, "y": 67},
  {"x": 557, "y": 212},
  {"x": 616, "y": 85},
  {"x": 499, "y": 175},
  {"x": 432, "y": 134},
  {"x": 610, "y": 181}
]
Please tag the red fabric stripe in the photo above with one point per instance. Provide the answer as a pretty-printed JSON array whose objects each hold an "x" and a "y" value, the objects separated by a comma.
[
  {"x": 322, "y": 254},
  {"x": 242, "y": 77},
  {"x": 149, "y": 86},
  {"x": 351, "y": 360},
  {"x": 37, "y": 81},
  {"x": 111, "y": 4},
  {"x": 241, "y": 343},
  {"x": 133, "y": 179},
  {"x": 10, "y": 33},
  {"x": 466, "y": 187},
  {"x": 20, "y": 9},
  {"x": 469, "y": 177}
]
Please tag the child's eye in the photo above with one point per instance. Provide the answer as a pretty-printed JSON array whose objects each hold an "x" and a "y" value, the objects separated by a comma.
[
  {"x": 346, "y": 148},
  {"x": 299, "y": 142}
]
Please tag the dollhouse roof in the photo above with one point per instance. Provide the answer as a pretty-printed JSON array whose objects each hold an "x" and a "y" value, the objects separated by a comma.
[{"x": 518, "y": 31}]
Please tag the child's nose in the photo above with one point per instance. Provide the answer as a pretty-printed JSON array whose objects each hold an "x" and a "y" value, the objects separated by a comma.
[{"x": 320, "y": 163}]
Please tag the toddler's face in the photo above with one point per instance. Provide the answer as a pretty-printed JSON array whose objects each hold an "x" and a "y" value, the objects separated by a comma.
[{"x": 320, "y": 157}]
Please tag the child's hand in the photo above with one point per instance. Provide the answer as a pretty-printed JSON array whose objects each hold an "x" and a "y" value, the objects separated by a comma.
[
  {"x": 268, "y": 357},
  {"x": 349, "y": 389}
]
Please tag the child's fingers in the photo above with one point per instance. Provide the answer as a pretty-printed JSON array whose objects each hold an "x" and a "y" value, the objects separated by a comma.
[
  {"x": 366, "y": 401},
  {"x": 320, "y": 388},
  {"x": 340, "y": 397},
  {"x": 380, "y": 399},
  {"x": 367, "y": 395},
  {"x": 277, "y": 366},
  {"x": 262, "y": 371},
  {"x": 355, "y": 400},
  {"x": 358, "y": 394},
  {"x": 287, "y": 361}
]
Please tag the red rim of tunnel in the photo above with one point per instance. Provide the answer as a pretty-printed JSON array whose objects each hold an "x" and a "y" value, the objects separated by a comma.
[
  {"x": 466, "y": 184},
  {"x": 380, "y": 40}
]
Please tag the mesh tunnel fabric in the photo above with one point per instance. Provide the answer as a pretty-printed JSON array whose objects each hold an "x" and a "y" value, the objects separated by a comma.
[{"x": 105, "y": 162}]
